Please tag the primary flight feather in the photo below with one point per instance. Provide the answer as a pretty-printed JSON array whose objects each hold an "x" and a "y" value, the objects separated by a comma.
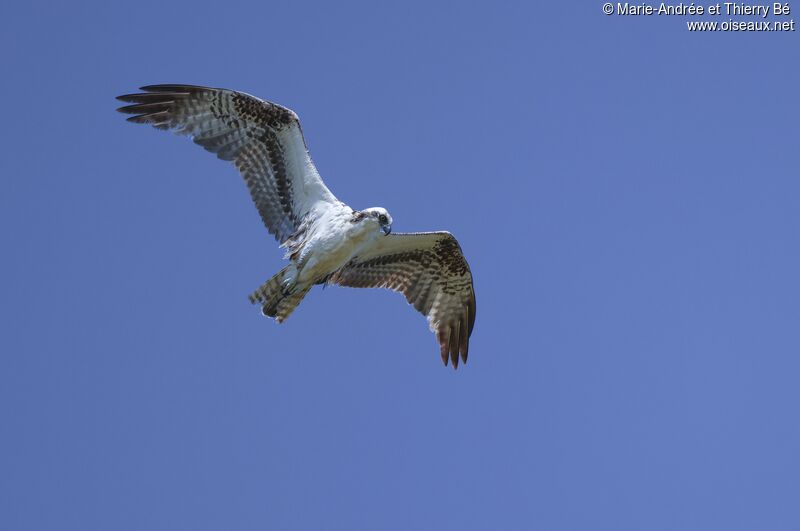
[{"x": 326, "y": 240}]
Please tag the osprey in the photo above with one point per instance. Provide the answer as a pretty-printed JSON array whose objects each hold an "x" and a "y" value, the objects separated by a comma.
[{"x": 326, "y": 241}]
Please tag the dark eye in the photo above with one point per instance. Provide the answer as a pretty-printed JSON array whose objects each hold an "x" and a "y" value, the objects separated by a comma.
[{"x": 382, "y": 218}]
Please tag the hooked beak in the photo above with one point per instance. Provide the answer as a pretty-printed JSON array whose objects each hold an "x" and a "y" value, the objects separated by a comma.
[{"x": 387, "y": 229}]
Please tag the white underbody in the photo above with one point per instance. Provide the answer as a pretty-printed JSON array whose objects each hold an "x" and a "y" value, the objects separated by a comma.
[{"x": 334, "y": 240}]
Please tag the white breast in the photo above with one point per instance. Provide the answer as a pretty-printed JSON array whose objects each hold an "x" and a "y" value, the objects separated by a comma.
[{"x": 334, "y": 246}]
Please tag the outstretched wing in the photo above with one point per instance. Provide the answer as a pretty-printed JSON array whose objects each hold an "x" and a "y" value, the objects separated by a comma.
[
  {"x": 263, "y": 139},
  {"x": 430, "y": 270}
]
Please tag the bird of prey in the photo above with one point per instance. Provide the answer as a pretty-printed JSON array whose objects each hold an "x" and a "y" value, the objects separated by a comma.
[{"x": 326, "y": 241}]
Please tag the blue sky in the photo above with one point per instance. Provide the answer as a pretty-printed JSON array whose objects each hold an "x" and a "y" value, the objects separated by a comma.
[{"x": 626, "y": 193}]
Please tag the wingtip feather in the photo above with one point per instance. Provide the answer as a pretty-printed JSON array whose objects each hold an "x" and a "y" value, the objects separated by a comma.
[
  {"x": 172, "y": 87},
  {"x": 145, "y": 108},
  {"x": 443, "y": 350},
  {"x": 463, "y": 345},
  {"x": 453, "y": 344}
]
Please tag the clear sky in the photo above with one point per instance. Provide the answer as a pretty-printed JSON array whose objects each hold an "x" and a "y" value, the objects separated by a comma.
[{"x": 626, "y": 192}]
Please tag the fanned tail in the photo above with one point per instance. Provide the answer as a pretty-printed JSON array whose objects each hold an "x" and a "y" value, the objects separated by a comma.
[
  {"x": 274, "y": 301},
  {"x": 287, "y": 304}
]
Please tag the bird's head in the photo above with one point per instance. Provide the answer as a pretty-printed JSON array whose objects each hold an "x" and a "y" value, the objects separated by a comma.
[{"x": 381, "y": 217}]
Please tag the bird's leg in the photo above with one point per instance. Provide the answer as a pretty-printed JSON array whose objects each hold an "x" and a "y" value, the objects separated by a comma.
[
  {"x": 289, "y": 283},
  {"x": 288, "y": 286}
]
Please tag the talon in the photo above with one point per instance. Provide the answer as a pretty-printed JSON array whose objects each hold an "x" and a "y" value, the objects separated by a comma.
[{"x": 288, "y": 287}]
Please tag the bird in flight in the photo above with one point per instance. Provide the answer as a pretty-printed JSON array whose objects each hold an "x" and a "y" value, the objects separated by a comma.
[{"x": 326, "y": 241}]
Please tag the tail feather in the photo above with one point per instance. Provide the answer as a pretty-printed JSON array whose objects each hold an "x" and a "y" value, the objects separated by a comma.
[
  {"x": 287, "y": 304},
  {"x": 274, "y": 303},
  {"x": 270, "y": 288}
]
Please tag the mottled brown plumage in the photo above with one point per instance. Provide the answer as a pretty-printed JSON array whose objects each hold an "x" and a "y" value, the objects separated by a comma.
[
  {"x": 431, "y": 271},
  {"x": 325, "y": 240},
  {"x": 264, "y": 140}
]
